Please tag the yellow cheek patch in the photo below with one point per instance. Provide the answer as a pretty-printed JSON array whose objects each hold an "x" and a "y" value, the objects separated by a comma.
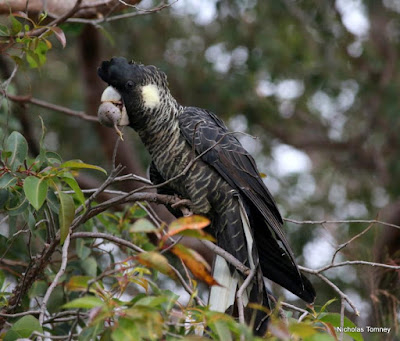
[{"x": 151, "y": 96}]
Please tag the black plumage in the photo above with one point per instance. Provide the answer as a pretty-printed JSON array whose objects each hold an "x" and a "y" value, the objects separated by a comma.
[{"x": 222, "y": 184}]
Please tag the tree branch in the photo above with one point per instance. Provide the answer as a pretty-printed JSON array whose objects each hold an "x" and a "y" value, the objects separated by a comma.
[
  {"x": 350, "y": 221},
  {"x": 60, "y": 272},
  {"x": 51, "y": 106}
]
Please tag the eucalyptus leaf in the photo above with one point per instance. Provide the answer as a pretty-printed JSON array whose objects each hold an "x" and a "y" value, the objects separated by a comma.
[
  {"x": 36, "y": 190},
  {"x": 78, "y": 164},
  {"x": 66, "y": 214},
  {"x": 17, "y": 145},
  {"x": 23, "y": 328},
  {"x": 7, "y": 180}
]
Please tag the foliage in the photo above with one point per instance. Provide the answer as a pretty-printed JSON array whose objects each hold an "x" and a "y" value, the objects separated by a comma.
[
  {"x": 18, "y": 36},
  {"x": 109, "y": 294}
]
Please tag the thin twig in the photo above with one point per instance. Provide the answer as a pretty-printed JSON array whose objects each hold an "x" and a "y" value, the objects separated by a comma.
[
  {"x": 53, "y": 337},
  {"x": 151, "y": 214},
  {"x": 227, "y": 256},
  {"x": 350, "y": 221},
  {"x": 7, "y": 82},
  {"x": 239, "y": 295},
  {"x": 29, "y": 312},
  {"x": 114, "y": 156},
  {"x": 81, "y": 219},
  {"x": 60, "y": 315},
  {"x": 188, "y": 289},
  {"x": 139, "y": 12},
  {"x": 60, "y": 272},
  {"x": 343, "y": 245},
  {"x": 109, "y": 237},
  {"x": 293, "y": 307},
  {"x": 354, "y": 262},
  {"x": 51, "y": 106},
  {"x": 133, "y": 177},
  {"x": 333, "y": 286}
]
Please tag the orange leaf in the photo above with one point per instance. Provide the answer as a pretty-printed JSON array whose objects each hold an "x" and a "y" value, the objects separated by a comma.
[
  {"x": 193, "y": 222},
  {"x": 196, "y": 264}
]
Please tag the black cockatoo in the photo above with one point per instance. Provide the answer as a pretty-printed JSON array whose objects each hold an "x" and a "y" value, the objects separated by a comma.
[{"x": 223, "y": 184}]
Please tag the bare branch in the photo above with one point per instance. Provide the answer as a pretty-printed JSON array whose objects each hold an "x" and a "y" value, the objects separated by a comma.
[
  {"x": 333, "y": 286},
  {"x": 188, "y": 289},
  {"x": 138, "y": 12},
  {"x": 239, "y": 294},
  {"x": 133, "y": 177},
  {"x": 356, "y": 262},
  {"x": 227, "y": 256},
  {"x": 350, "y": 221},
  {"x": 109, "y": 237},
  {"x": 60, "y": 272},
  {"x": 51, "y": 106},
  {"x": 24, "y": 313},
  {"x": 293, "y": 307},
  {"x": 53, "y": 337},
  {"x": 343, "y": 245}
]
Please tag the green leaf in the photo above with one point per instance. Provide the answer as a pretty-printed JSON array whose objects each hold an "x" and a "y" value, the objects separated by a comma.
[
  {"x": 42, "y": 16},
  {"x": 81, "y": 283},
  {"x": 81, "y": 250},
  {"x": 78, "y": 164},
  {"x": 53, "y": 158},
  {"x": 89, "y": 266},
  {"x": 32, "y": 58},
  {"x": 23, "y": 328},
  {"x": 16, "y": 26},
  {"x": 18, "y": 60},
  {"x": 320, "y": 337},
  {"x": 17, "y": 145},
  {"x": 30, "y": 218},
  {"x": 7, "y": 180},
  {"x": 221, "y": 328},
  {"x": 36, "y": 191},
  {"x": 302, "y": 329},
  {"x": 3, "y": 197},
  {"x": 4, "y": 31},
  {"x": 138, "y": 212},
  {"x": 2, "y": 279},
  {"x": 20, "y": 206},
  {"x": 86, "y": 302},
  {"x": 156, "y": 261},
  {"x": 56, "y": 300},
  {"x": 41, "y": 51},
  {"x": 38, "y": 288},
  {"x": 126, "y": 331},
  {"x": 73, "y": 184},
  {"x": 323, "y": 308},
  {"x": 66, "y": 215},
  {"x": 52, "y": 201},
  {"x": 142, "y": 225},
  {"x": 334, "y": 319},
  {"x": 152, "y": 301}
]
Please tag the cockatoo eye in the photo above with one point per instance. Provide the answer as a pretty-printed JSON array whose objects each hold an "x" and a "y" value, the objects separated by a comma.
[{"x": 129, "y": 84}]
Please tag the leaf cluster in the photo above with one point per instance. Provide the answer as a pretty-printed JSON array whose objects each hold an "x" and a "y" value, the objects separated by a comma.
[{"x": 26, "y": 39}]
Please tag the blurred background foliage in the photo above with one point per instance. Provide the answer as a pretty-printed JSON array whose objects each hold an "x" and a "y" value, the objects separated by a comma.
[{"x": 317, "y": 82}]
